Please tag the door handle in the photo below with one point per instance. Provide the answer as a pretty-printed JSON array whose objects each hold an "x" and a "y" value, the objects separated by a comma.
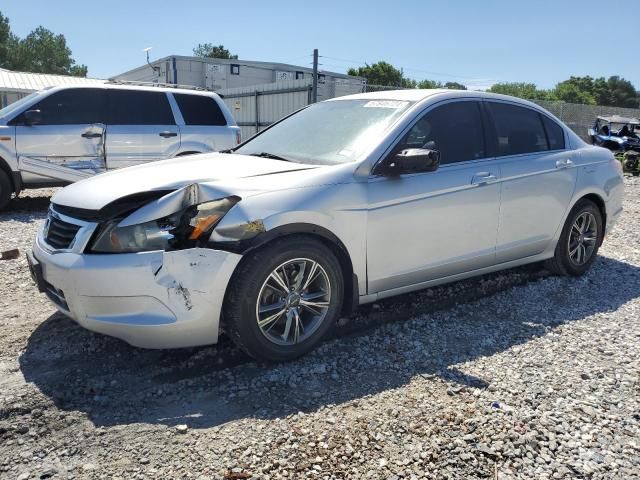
[
  {"x": 168, "y": 134},
  {"x": 483, "y": 178},
  {"x": 91, "y": 135},
  {"x": 564, "y": 163}
]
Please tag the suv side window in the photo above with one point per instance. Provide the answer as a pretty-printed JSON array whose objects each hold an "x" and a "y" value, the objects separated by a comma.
[
  {"x": 519, "y": 130},
  {"x": 555, "y": 133},
  {"x": 75, "y": 106},
  {"x": 139, "y": 107},
  {"x": 455, "y": 129},
  {"x": 199, "y": 110}
]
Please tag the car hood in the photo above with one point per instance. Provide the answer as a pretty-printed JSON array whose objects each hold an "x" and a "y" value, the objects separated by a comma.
[{"x": 228, "y": 173}]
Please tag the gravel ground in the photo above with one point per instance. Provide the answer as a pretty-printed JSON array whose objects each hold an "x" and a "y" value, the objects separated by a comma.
[{"x": 512, "y": 375}]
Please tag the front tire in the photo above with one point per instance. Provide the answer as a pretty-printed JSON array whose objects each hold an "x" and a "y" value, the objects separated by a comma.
[
  {"x": 580, "y": 240},
  {"x": 5, "y": 189},
  {"x": 283, "y": 299}
]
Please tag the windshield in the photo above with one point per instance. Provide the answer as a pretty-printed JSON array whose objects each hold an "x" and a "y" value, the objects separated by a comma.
[
  {"x": 328, "y": 133},
  {"x": 16, "y": 106}
]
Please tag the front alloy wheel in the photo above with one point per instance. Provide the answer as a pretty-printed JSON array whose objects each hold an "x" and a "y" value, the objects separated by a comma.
[
  {"x": 284, "y": 298},
  {"x": 293, "y": 301}
]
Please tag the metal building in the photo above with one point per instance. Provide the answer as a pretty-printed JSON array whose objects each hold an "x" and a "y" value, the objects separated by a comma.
[
  {"x": 221, "y": 74},
  {"x": 15, "y": 85}
]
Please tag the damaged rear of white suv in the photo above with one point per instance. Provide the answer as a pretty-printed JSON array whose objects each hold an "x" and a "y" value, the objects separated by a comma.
[{"x": 342, "y": 203}]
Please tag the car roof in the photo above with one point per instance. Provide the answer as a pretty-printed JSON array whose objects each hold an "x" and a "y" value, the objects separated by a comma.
[
  {"x": 620, "y": 119},
  {"x": 418, "y": 95},
  {"x": 138, "y": 87}
]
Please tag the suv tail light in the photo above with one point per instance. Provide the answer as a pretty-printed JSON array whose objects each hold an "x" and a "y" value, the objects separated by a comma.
[{"x": 238, "y": 137}]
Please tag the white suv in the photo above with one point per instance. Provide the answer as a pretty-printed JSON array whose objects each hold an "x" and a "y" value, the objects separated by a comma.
[{"x": 63, "y": 134}]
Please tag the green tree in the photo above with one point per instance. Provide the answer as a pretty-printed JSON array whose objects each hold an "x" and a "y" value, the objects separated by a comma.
[
  {"x": 622, "y": 93},
  {"x": 41, "y": 52},
  {"x": 454, "y": 86},
  {"x": 5, "y": 37},
  {"x": 209, "y": 50},
  {"x": 381, "y": 73},
  {"x": 521, "y": 90},
  {"x": 44, "y": 52},
  {"x": 427, "y": 84},
  {"x": 570, "y": 92},
  {"x": 614, "y": 91}
]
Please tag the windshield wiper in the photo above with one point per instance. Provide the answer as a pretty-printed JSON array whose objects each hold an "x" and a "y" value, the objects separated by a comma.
[{"x": 272, "y": 156}]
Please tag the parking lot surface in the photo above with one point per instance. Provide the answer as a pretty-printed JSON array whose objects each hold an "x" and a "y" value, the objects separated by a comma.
[{"x": 512, "y": 375}]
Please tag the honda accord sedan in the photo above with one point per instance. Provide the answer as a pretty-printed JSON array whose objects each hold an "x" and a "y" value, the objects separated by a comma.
[{"x": 342, "y": 203}]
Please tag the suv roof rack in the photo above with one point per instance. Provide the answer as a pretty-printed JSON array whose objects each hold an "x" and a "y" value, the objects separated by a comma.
[{"x": 156, "y": 84}]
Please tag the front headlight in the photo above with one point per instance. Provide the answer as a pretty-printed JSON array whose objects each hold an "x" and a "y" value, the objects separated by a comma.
[{"x": 187, "y": 228}]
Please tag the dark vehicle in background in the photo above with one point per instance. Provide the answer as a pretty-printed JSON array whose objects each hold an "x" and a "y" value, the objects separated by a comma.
[{"x": 621, "y": 135}]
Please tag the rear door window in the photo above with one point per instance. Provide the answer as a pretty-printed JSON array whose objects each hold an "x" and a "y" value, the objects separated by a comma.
[
  {"x": 131, "y": 107},
  {"x": 199, "y": 110},
  {"x": 75, "y": 106},
  {"x": 518, "y": 130},
  {"x": 555, "y": 133}
]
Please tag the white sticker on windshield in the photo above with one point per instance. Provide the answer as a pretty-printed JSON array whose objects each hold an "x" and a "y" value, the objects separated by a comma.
[
  {"x": 346, "y": 152},
  {"x": 384, "y": 104}
]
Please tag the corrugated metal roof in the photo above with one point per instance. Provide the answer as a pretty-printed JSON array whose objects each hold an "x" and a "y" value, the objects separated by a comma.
[{"x": 30, "y": 82}]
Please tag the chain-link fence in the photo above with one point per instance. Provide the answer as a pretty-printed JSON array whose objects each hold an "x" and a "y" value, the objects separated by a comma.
[{"x": 580, "y": 117}]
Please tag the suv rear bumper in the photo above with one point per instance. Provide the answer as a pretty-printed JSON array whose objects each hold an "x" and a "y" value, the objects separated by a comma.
[{"x": 150, "y": 299}]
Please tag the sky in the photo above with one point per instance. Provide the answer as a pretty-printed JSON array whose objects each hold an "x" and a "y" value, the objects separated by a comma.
[{"x": 471, "y": 42}]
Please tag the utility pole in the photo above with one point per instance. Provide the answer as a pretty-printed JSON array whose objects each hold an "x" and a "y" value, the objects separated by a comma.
[{"x": 314, "y": 94}]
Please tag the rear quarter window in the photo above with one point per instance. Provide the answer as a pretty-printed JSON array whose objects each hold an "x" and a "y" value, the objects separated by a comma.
[
  {"x": 136, "y": 107},
  {"x": 200, "y": 110}
]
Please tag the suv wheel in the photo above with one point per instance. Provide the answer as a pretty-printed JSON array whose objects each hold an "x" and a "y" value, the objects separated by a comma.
[
  {"x": 284, "y": 299},
  {"x": 5, "y": 189},
  {"x": 579, "y": 242}
]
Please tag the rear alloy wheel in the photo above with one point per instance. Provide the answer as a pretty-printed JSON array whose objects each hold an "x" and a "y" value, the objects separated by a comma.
[
  {"x": 284, "y": 298},
  {"x": 5, "y": 189},
  {"x": 581, "y": 237}
]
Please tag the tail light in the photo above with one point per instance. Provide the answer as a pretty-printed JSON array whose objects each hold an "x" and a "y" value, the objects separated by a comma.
[{"x": 238, "y": 137}]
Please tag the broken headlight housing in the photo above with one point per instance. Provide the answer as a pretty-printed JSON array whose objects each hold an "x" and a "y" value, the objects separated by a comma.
[{"x": 187, "y": 228}]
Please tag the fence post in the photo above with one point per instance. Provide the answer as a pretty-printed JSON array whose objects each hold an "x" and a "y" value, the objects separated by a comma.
[
  {"x": 315, "y": 76},
  {"x": 257, "y": 107}
]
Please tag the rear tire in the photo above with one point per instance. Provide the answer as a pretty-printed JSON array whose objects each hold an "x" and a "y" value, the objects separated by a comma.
[
  {"x": 283, "y": 299},
  {"x": 5, "y": 189},
  {"x": 579, "y": 242}
]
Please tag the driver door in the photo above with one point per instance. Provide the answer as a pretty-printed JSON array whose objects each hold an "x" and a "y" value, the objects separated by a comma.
[
  {"x": 426, "y": 226},
  {"x": 68, "y": 142}
]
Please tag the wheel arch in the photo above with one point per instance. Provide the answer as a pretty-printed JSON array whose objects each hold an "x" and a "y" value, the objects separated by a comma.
[
  {"x": 14, "y": 178},
  {"x": 321, "y": 234},
  {"x": 188, "y": 152},
  {"x": 597, "y": 199}
]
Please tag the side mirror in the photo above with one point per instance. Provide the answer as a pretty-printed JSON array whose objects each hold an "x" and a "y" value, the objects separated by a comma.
[
  {"x": 32, "y": 117},
  {"x": 414, "y": 160}
]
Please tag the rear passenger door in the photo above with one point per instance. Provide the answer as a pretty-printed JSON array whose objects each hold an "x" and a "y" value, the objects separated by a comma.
[
  {"x": 140, "y": 128},
  {"x": 538, "y": 178},
  {"x": 203, "y": 127}
]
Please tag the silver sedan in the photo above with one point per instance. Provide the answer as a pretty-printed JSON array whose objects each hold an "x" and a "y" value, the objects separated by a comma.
[{"x": 342, "y": 203}]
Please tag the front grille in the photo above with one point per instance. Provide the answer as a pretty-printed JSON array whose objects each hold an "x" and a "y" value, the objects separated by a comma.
[{"x": 60, "y": 234}]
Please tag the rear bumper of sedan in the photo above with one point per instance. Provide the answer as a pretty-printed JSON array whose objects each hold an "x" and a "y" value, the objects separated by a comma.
[{"x": 150, "y": 299}]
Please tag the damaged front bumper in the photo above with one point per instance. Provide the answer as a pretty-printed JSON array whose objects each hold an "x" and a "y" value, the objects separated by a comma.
[{"x": 150, "y": 299}]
